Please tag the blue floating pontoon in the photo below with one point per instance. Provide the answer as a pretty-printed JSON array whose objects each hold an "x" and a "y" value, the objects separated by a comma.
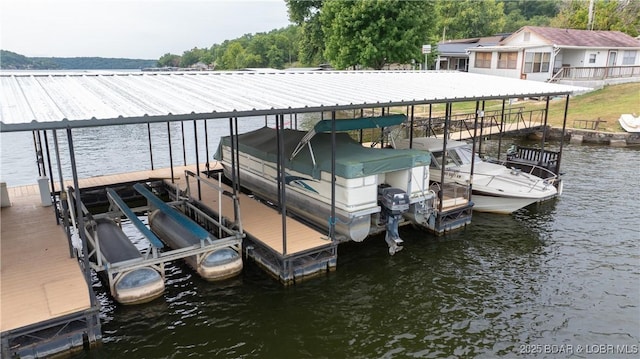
[{"x": 179, "y": 231}]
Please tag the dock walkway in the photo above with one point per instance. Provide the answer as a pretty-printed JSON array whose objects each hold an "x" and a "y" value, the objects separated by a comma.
[
  {"x": 41, "y": 285},
  {"x": 262, "y": 221},
  {"x": 303, "y": 252},
  {"x": 40, "y": 280}
]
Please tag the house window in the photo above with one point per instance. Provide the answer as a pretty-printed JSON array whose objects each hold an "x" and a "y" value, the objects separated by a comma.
[
  {"x": 536, "y": 62},
  {"x": 592, "y": 58},
  {"x": 483, "y": 59},
  {"x": 629, "y": 57},
  {"x": 527, "y": 36},
  {"x": 507, "y": 60}
]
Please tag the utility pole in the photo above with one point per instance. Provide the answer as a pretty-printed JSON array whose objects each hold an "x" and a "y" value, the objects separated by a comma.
[{"x": 590, "y": 20}]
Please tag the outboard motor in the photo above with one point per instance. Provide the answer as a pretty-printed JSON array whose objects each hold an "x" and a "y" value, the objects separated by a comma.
[{"x": 394, "y": 203}]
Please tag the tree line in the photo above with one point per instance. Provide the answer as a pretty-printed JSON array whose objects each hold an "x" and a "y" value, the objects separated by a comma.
[
  {"x": 13, "y": 61},
  {"x": 374, "y": 33}
]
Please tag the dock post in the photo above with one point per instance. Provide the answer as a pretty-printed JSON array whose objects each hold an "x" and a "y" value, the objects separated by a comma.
[
  {"x": 4, "y": 195},
  {"x": 45, "y": 195}
]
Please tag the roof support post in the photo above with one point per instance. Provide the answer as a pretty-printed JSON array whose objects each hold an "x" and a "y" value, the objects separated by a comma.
[
  {"x": 41, "y": 155},
  {"x": 430, "y": 120},
  {"x": 544, "y": 131},
  {"x": 564, "y": 128},
  {"x": 206, "y": 144},
  {"x": 195, "y": 140},
  {"x": 411, "y": 126},
  {"x": 35, "y": 150},
  {"x": 170, "y": 151},
  {"x": 150, "y": 148},
  {"x": 53, "y": 185},
  {"x": 282, "y": 188},
  {"x": 481, "y": 127},
  {"x": 63, "y": 194},
  {"x": 361, "y": 130},
  {"x": 184, "y": 147},
  {"x": 332, "y": 227},
  {"x": 445, "y": 138},
  {"x": 501, "y": 129},
  {"x": 233, "y": 139},
  {"x": 80, "y": 219},
  {"x": 473, "y": 149}
]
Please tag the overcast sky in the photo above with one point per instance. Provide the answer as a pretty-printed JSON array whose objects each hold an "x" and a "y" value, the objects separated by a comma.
[{"x": 142, "y": 29}]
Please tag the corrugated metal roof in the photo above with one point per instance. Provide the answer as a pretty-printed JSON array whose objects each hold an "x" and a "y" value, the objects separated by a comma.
[
  {"x": 59, "y": 100},
  {"x": 582, "y": 38}
]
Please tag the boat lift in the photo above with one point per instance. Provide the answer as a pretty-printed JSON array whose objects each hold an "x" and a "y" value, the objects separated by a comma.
[
  {"x": 114, "y": 268},
  {"x": 115, "y": 255},
  {"x": 213, "y": 258}
]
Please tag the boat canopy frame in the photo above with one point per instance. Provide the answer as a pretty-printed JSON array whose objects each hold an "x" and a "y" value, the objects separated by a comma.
[{"x": 350, "y": 124}]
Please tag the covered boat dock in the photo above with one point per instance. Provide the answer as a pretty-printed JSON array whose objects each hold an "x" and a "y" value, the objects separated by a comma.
[{"x": 48, "y": 104}]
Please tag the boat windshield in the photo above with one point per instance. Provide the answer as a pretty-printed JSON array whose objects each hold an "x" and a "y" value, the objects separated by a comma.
[
  {"x": 455, "y": 157},
  {"x": 451, "y": 159},
  {"x": 464, "y": 154}
]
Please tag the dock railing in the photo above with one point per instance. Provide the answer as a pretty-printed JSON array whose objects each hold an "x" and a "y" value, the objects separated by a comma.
[
  {"x": 464, "y": 124},
  {"x": 595, "y": 73}
]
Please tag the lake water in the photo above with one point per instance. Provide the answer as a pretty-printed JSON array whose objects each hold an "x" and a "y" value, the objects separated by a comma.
[{"x": 561, "y": 279}]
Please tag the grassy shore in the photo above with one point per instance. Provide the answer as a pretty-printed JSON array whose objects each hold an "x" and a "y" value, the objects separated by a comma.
[{"x": 606, "y": 104}]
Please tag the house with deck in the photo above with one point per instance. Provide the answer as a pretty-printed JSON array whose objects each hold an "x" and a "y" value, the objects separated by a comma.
[
  {"x": 582, "y": 57},
  {"x": 453, "y": 54}
]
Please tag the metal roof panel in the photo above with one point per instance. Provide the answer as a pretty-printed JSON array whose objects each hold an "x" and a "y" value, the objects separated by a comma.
[{"x": 101, "y": 98}]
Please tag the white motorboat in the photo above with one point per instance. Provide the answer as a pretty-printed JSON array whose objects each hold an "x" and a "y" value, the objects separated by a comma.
[
  {"x": 495, "y": 188},
  {"x": 629, "y": 122},
  {"x": 364, "y": 177}
]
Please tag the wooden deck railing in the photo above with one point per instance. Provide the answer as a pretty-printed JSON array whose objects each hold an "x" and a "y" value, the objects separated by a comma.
[{"x": 596, "y": 73}]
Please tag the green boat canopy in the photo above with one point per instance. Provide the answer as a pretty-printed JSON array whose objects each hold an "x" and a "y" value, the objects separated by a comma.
[
  {"x": 360, "y": 123},
  {"x": 348, "y": 124},
  {"x": 352, "y": 159}
]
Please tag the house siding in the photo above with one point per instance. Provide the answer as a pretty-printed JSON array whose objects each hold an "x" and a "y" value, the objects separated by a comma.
[
  {"x": 565, "y": 48},
  {"x": 519, "y": 39}
]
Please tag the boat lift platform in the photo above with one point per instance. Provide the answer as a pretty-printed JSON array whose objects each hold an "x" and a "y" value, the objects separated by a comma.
[{"x": 291, "y": 257}]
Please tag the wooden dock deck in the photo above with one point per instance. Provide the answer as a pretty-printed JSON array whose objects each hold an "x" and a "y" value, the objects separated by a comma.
[
  {"x": 40, "y": 280},
  {"x": 262, "y": 222}
]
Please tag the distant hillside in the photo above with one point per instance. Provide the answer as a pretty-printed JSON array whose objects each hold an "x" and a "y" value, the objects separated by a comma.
[{"x": 12, "y": 61}]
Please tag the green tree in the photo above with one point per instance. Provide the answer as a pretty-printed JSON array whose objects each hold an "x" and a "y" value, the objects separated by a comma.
[
  {"x": 169, "y": 60},
  {"x": 470, "y": 18},
  {"x": 519, "y": 13},
  {"x": 374, "y": 33},
  {"x": 234, "y": 57},
  {"x": 623, "y": 15},
  {"x": 306, "y": 13},
  {"x": 191, "y": 57}
]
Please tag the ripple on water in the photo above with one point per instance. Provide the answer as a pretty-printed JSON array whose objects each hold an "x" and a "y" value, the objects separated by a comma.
[{"x": 563, "y": 272}]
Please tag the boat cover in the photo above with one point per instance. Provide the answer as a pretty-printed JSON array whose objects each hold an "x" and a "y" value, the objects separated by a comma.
[{"x": 352, "y": 159}]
